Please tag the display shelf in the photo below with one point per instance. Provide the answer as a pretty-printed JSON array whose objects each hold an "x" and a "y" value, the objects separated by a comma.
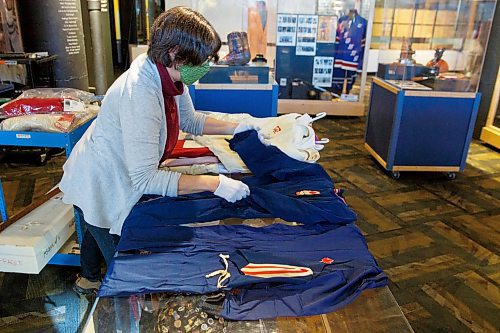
[
  {"x": 50, "y": 140},
  {"x": 32, "y": 65}
]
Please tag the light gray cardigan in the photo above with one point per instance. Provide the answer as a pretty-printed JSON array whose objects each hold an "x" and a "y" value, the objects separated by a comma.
[{"x": 116, "y": 160}]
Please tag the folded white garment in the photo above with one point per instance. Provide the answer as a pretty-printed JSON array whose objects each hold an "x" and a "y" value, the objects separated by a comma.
[
  {"x": 219, "y": 146},
  {"x": 294, "y": 136},
  {"x": 291, "y": 133}
]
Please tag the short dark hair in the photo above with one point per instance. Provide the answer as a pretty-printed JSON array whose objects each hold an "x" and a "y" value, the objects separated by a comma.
[{"x": 186, "y": 31}]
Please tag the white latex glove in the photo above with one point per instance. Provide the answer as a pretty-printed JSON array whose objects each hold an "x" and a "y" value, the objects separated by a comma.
[
  {"x": 231, "y": 190},
  {"x": 249, "y": 124}
]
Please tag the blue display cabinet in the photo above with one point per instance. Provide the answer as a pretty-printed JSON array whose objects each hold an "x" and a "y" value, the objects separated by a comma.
[{"x": 419, "y": 130}]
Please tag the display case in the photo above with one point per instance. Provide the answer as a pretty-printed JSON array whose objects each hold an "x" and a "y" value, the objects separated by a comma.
[
  {"x": 255, "y": 17},
  {"x": 424, "y": 101},
  {"x": 297, "y": 41},
  {"x": 491, "y": 132},
  {"x": 243, "y": 83},
  {"x": 321, "y": 55},
  {"x": 440, "y": 44}
]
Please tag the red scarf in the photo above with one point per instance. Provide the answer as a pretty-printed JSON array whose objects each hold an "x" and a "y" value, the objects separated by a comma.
[{"x": 170, "y": 89}]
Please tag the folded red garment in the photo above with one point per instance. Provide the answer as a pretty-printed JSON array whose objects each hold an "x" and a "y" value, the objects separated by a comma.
[
  {"x": 25, "y": 106},
  {"x": 172, "y": 162},
  {"x": 180, "y": 151}
]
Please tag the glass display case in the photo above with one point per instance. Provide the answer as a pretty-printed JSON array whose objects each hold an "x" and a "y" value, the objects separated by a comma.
[
  {"x": 438, "y": 45},
  {"x": 321, "y": 55},
  {"x": 298, "y": 39},
  {"x": 256, "y": 17},
  {"x": 491, "y": 132},
  {"x": 424, "y": 100}
]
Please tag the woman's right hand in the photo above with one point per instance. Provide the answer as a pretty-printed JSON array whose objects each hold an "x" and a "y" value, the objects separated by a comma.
[
  {"x": 222, "y": 186},
  {"x": 231, "y": 190}
]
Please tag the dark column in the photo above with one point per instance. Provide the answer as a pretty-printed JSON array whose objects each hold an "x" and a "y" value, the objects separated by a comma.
[{"x": 55, "y": 26}]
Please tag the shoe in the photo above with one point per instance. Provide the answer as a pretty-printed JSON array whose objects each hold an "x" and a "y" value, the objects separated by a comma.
[
  {"x": 83, "y": 286},
  {"x": 239, "y": 51},
  {"x": 235, "y": 59}
]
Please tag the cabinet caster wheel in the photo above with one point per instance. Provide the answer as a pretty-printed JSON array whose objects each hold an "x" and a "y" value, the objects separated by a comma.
[
  {"x": 451, "y": 175},
  {"x": 395, "y": 175},
  {"x": 43, "y": 159}
]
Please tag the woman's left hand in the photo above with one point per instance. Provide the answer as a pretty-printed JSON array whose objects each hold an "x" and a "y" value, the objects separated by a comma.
[{"x": 250, "y": 124}]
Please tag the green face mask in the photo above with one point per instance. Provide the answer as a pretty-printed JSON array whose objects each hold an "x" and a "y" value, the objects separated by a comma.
[{"x": 191, "y": 74}]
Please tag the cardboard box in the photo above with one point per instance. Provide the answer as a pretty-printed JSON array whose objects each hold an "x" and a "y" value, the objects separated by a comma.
[
  {"x": 27, "y": 245},
  {"x": 135, "y": 50}
]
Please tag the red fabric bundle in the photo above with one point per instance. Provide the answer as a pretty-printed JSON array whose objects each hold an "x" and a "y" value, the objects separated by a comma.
[
  {"x": 180, "y": 151},
  {"x": 25, "y": 106}
]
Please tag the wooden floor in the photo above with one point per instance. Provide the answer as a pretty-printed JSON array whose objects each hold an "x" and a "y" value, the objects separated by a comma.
[{"x": 438, "y": 240}]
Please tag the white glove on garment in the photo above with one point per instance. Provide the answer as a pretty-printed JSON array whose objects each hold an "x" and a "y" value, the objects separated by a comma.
[
  {"x": 231, "y": 190},
  {"x": 249, "y": 124}
]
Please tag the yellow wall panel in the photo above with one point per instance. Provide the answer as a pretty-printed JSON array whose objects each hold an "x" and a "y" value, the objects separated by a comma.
[
  {"x": 404, "y": 16},
  {"x": 446, "y": 17},
  {"x": 425, "y": 16},
  {"x": 377, "y": 29},
  {"x": 423, "y": 31},
  {"x": 401, "y": 30},
  {"x": 396, "y": 45},
  {"x": 383, "y": 15},
  {"x": 444, "y": 32}
]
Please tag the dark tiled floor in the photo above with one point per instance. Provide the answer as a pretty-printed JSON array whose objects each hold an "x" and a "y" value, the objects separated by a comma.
[{"x": 436, "y": 239}]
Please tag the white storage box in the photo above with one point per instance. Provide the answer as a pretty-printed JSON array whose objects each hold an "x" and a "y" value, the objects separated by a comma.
[{"x": 27, "y": 245}]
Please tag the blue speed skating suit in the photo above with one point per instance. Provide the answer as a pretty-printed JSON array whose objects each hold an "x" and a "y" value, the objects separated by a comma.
[
  {"x": 275, "y": 191},
  {"x": 278, "y": 270}
]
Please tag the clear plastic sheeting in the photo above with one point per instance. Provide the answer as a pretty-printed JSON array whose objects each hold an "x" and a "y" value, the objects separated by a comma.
[
  {"x": 53, "y": 110},
  {"x": 63, "y": 93},
  {"x": 49, "y": 122},
  {"x": 48, "y": 100},
  {"x": 374, "y": 310}
]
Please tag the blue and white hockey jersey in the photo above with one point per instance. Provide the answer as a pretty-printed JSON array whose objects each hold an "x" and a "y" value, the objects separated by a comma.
[
  {"x": 350, "y": 43},
  {"x": 349, "y": 50}
]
